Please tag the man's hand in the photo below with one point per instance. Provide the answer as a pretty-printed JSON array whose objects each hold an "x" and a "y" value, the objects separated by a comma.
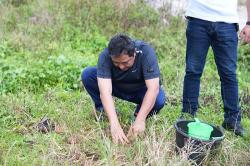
[
  {"x": 105, "y": 87},
  {"x": 137, "y": 128},
  {"x": 245, "y": 34},
  {"x": 117, "y": 134}
]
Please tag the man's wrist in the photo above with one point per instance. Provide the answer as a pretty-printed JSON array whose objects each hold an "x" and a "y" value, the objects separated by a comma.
[
  {"x": 141, "y": 118},
  {"x": 114, "y": 122},
  {"x": 248, "y": 23}
]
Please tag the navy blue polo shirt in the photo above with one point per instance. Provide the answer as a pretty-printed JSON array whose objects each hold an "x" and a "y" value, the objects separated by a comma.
[{"x": 145, "y": 67}]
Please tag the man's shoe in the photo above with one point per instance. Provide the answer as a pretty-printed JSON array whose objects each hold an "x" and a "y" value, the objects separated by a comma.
[
  {"x": 134, "y": 115},
  {"x": 236, "y": 128}
]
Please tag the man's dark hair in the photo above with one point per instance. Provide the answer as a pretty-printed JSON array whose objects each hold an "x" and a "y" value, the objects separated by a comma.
[{"x": 121, "y": 44}]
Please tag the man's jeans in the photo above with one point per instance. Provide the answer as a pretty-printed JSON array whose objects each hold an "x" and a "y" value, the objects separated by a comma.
[
  {"x": 89, "y": 79},
  {"x": 223, "y": 39}
]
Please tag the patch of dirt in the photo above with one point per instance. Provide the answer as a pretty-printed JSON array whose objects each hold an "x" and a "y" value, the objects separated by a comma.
[
  {"x": 59, "y": 129},
  {"x": 92, "y": 155},
  {"x": 74, "y": 139},
  {"x": 208, "y": 100}
]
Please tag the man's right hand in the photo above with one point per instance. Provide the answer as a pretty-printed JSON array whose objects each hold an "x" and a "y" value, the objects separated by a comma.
[
  {"x": 105, "y": 87},
  {"x": 245, "y": 34},
  {"x": 117, "y": 134}
]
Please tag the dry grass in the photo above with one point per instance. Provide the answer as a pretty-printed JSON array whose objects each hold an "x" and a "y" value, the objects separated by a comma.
[
  {"x": 83, "y": 141},
  {"x": 157, "y": 147}
]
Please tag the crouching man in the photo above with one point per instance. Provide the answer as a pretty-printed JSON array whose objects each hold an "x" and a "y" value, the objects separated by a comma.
[{"x": 127, "y": 69}]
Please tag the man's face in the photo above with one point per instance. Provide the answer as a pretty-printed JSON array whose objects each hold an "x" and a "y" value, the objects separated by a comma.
[{"x": 123, "y": 61}]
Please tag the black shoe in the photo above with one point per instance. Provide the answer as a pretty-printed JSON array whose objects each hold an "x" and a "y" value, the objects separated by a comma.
[{"x": 236, "y": 128}]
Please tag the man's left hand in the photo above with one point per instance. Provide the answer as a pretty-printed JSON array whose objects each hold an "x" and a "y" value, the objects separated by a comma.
[
  {"x": 137, "y": 129},
  {"x": 245, "y": 34}
]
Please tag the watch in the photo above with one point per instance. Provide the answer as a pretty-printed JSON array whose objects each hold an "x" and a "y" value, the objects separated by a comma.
[{"x": 248, "y": 23}]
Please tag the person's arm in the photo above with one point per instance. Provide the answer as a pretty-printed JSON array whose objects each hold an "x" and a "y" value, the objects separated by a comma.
[
  {"x": 138, "y": 126},
  {"x": 149, "y": 98},
  {"x": 105, "y": 87},
  {"x": 151, "y": 74},
  {"x": 245, "y": 33}
]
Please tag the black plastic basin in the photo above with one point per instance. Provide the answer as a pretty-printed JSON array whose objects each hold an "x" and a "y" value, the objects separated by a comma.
[{"x": 197, "y": 149}]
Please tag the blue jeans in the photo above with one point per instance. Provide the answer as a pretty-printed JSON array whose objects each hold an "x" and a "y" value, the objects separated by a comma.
[
  {"x": 223, "y": 39},
  {"x": 89, "y": 80}
]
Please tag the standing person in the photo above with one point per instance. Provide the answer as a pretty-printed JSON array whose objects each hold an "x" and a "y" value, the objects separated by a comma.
[
  {"x": 127, "y": 69},
  {"x": 214, "y": 23}
]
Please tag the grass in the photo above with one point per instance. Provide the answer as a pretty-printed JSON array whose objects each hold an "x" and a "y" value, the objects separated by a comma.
[
  {"x": 22, "y": 144},
  {"x": 44, "y": 46}
]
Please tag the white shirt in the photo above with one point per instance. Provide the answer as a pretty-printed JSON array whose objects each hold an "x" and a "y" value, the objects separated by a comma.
[{"x": 214, "y": 10}]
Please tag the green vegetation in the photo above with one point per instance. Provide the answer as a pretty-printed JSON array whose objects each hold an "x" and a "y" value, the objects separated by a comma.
[{"x": 44, "y": 46}]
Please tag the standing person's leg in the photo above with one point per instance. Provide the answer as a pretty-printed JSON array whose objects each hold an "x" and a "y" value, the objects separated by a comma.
[
  {"x": 89, "y": 80},
  {"x": 225, "y": 45},
  {"x": 198, "y": 42}
]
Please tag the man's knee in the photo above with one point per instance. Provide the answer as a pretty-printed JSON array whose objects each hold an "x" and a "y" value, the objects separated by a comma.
[
  {"x": 87, "y": 75},
  {"x": 228, "y": 77},
  {"x": 194, "y": 71},
  {"x": 160, "y": 100}
]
